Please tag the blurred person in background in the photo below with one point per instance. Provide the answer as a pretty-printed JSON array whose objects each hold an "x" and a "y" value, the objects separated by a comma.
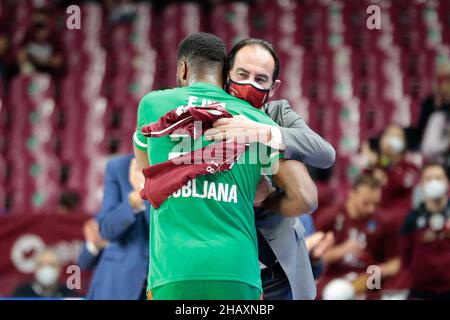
[
  {"x": 439, "y": 100},
  {"x": 436, "y": 140},
  {"x": 93, "y": 247},
  {"x": 425, "y": 238},
  {"x": 121, "y": 11},
  {"x": 253, "y": 68},
  {"x": 40, "y": 50},
  {"x": 7, "y": 66},
  {"x": 363, "y": 236},
  {"x": 121, "y": 271},
  {"x": 46, "y": 279},
  {"x": 317, "y": 244},
  {"x": 396, "y": 171},
  {"x": 68, "y": 202}
]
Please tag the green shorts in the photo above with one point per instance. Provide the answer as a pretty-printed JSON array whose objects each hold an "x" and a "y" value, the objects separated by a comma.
[{"x": 205, "y": 290}]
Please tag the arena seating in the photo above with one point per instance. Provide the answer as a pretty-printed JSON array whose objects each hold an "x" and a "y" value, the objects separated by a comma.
[{"x": 348, "y": 82}]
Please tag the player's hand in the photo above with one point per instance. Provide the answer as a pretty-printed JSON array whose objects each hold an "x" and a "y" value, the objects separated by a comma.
[
  {"x": 318, "y": 243},
  {"x": 92, "y": 234},
  {"x": 264, "y": 189},
  {"x": 239, "y": 128},
  {"x": 351, "y": 246},
  {"x": 370, "y": 155},
  {"x": 136, "y": 176}
]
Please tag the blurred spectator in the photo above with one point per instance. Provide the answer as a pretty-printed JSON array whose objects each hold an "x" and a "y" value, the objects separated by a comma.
[
  {"x": 94, "y": 244},
  {"x": 121, "y": 11},
  {"x": 439, "y": 100},
  {"x": 46, "y": 279},
  {"x": 40, "y": 49},
  {"x": 317, "y": 243},
  {"x": 436, "y": 139},
  {"x": 363, "y": 236},
  {"x": 6, "y": 61},
  {"x": 121, "y": 272},
  {"x": 425, "y": 240},
  {"x": 68, "y": 202},
  {"x": 323, "y": 178},
  {"x": 396, "y": 171}
]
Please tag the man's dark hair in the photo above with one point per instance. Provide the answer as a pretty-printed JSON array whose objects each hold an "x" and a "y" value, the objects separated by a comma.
[
  {"x": 202, "y": 50},
  {"x": 366, "y": 180},
  {"x": 255, "y": 42},
  {"x": 432, "y": 164}
]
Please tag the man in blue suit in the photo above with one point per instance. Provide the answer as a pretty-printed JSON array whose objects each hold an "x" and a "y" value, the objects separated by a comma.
[
  {"x": 121, "y": 271},
  {"x": 93, "y": 247}
]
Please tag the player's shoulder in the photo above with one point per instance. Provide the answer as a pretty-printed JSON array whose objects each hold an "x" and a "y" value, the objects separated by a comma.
[
  {"x": 157, "y": 95},
  {"x": 276, "y": 105}
]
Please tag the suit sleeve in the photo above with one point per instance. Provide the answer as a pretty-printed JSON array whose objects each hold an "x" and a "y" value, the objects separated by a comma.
[
  {"x": 302, "y": 143},
  {"x": 116, "y": 214},
  {"x": 86, "y": 260}
]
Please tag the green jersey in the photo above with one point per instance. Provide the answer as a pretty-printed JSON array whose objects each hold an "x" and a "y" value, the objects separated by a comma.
[{"x": 205, "y": 230}]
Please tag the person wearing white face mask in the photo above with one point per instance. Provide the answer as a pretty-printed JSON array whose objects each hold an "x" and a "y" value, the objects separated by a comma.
[
  {"x": 46, "y": 279},
  {"x": 425, "y": 240},
  {"x": 397, "y": 172}
]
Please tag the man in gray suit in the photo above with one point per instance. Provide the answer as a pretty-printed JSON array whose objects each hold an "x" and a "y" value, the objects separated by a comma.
[{"x": 253, "y": 68}]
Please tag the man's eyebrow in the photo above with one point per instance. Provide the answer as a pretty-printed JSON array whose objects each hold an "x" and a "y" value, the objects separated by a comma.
[
  {"x": 242, "y": 70},
  {"x": 261, "y": 75}
]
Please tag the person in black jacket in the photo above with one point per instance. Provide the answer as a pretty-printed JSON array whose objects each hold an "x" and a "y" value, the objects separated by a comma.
[
  {"x": 46, "y": 279},
  {"x": 439, "y": 100}
]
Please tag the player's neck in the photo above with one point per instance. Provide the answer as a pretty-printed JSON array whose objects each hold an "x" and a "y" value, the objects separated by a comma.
[{"x": 208, "y": 78}]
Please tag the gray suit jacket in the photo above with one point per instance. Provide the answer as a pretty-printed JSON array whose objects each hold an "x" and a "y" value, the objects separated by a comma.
[
  {"x": 286, "y": 235},
  {"x": 302, "y": 143}
]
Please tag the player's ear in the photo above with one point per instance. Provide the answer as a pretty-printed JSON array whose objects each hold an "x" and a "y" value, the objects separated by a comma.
[
  {"x": 182, "y": 73},
  {"x": 274, "y": 87}
]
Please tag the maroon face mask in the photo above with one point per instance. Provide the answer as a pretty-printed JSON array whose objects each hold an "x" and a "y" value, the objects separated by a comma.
[{"x": 249, "y": 91}]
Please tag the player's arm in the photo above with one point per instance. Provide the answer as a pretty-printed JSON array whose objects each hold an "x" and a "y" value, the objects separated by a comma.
[
  {"x": 390, "y": 268},
  {"x": 339, "y": 251},
  {"x": 141, "y": 158},
  {"x": 140, "y": 144},
  {"x": 299, "y": 191}
]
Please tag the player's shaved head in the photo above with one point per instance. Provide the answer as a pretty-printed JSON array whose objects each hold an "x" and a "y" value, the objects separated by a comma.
[{"x": 200, "y": 54}]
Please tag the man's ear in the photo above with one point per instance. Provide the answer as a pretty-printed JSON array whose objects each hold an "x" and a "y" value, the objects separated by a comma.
[
  {"x": 274, "y": 87},
  {"x": 182, "y": 73}
]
